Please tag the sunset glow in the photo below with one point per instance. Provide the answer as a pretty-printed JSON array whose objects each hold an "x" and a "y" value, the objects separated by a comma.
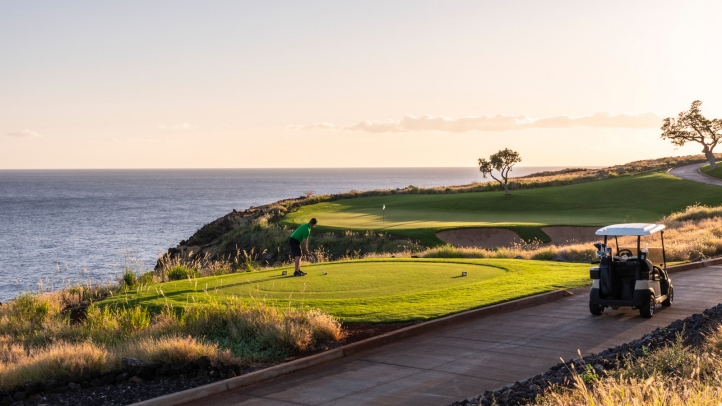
[{"x": 349, "y": 84}]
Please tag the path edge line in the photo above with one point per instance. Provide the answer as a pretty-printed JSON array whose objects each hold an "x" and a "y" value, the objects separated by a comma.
[{"x": 226, "y": 385}]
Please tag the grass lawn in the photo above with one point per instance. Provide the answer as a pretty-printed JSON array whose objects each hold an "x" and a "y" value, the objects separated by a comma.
[
  {"x": 643, "y": 198},
  {"x": 717, "y": 172},
  {"x": 378, "y": 290}
]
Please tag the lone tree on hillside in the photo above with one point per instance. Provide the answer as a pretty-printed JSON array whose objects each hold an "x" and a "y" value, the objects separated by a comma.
[
  {"x": 693, "y": 126},
  {"x": 502, "y": 161}
]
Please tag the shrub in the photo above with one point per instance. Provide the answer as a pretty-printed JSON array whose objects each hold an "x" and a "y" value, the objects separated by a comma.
[
  {"x": 179, "y": 272},
  {"x": 129, "y": 279},
  {"x": 32, "y": 309},
  {"x": 132, "y": 319},
  {"x": 146, "y": 278}
]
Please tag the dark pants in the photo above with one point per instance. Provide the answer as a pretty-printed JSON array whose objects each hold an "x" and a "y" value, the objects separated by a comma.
[{"x": 295, "y": 247}]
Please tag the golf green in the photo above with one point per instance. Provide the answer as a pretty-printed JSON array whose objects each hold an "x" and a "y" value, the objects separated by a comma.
[
  {"x": 716, "y": 172},
  {"x": 378, "y": 290},
  {"x": 641, "y": 198}
]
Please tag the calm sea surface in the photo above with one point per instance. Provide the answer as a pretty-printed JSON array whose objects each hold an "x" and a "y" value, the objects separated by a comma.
[{"x": 60, "y": 227}]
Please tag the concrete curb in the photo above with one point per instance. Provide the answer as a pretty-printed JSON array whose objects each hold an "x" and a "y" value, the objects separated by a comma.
[
  {"x": 694, "y": 265},
  {"x": 347, "y": 350},
  {"x": 708, "y": 175}
]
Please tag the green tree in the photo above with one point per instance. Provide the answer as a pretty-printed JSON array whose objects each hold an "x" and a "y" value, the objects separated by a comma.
[
  {"x": 693, "y": 126},
  {"x": 502, "y": 162}
]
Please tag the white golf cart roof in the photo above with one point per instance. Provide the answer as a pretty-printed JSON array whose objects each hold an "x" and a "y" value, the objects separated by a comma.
[{"x": 630, "y": 229}]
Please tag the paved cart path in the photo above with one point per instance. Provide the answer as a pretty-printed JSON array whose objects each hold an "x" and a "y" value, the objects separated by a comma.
[
  {"x": 691, "y": 172},
  {"x": 484, "y": 354}
]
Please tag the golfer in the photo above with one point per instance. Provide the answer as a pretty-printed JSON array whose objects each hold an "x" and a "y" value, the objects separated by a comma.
[{"x": 300, "y": 235}]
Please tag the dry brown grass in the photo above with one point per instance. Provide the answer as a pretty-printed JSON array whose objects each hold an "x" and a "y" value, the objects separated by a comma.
[
  {"x": 57, "y": 360},
  {"x": 37, "y": 341},
  {"x": 172, "y": 349},
  {"x": 674, "y": 375},
  {"x": 691, "y": 234},
  {"x": 291, "y": 328}
]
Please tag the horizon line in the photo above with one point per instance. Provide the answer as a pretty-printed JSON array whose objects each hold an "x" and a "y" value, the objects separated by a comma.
[{"x": 289, "y": 168}]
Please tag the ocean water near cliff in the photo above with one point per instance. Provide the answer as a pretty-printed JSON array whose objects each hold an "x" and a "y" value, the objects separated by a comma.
[{"x": 65, "y": 226}]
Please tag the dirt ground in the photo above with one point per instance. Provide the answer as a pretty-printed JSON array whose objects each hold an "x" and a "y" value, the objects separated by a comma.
[
  {"x": 571, "y": 234},
  {"x": 479, "y": 237},
  {"x": 500, "y": 237}
]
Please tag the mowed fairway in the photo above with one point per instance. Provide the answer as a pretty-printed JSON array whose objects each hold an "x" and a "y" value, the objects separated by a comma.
[
  {"x": 378, "y": 290},
  {"x": 642, "y": 198}
]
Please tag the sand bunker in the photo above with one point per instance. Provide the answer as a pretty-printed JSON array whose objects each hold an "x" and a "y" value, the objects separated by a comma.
[
  {"x": 562, "y": 235},
  {"x": 501, "y": 237},
  {"x": 479, "y": 237}
]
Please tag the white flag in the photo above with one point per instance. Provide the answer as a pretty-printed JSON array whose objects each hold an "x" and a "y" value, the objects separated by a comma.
[{"x": 384, "y": 208}]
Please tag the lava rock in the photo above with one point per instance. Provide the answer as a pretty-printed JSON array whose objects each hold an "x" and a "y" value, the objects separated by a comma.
[
  {"x": 203, "y": 362},
  {"x": 131, "y": 363}
]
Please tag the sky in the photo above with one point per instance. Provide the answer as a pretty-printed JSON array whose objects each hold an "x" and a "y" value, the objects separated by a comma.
[{"x": 290, "y": 84}]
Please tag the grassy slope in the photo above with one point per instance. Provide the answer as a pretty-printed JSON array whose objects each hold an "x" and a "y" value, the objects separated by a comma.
[
  {"x": 636, "y": 198},
  {"x": 717, "y": 172},
  {"x": 380, "y": 290}
]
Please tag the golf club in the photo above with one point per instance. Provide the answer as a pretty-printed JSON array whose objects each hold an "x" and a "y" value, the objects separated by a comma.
[{"x": 317, "y": 268}]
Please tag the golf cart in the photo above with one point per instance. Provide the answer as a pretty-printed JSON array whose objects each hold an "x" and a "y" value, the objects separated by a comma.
[{"x": 631, "y": 276}]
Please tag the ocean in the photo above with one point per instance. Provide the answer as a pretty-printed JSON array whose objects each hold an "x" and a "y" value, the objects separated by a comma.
[{"x": 59, "y": 227}]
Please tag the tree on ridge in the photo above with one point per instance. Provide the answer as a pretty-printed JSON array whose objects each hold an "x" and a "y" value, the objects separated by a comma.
[
  {"x": 691, "y": 125},
  {"x": 502, "y": 161}
]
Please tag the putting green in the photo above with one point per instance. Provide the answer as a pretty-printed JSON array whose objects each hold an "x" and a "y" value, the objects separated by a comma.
[
  {"x": 378, "y": 290},
  {"x": 641, "y": 198}
]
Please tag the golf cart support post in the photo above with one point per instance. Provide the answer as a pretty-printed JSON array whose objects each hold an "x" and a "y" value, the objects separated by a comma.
[{"x": 624, "y": 279}]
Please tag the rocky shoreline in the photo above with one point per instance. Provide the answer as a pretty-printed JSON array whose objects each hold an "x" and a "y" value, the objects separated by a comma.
[{"x": 693, "y": 330}]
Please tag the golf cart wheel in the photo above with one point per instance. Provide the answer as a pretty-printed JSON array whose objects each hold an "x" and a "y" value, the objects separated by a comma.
[
  {"x": 670, "y": 297},
  {"x": 647, "y": 310},
  {"x": 595, "y": 310}
]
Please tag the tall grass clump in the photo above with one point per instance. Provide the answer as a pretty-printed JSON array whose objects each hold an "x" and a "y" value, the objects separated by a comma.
[
  {"x": 694, "y": 233},
  {"x": 172, "y": 349},
  {"x": 258, "y": 332},
  {"x": 673, "y": 375},
  {"x": 536, "y": 251},
  {"x": 38, "y": 340},
  {"x": 58, "y": 360},
  {"x": 193, "y": 266}
]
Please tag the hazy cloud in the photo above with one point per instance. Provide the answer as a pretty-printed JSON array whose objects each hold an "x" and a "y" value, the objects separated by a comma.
[
  {"x": 317, "y": 126},
  {"x": 224, "y": 126},
  {"x": 502, "y": 122},
  {"x": 26, "y": 133},
  {"x": 183, "y": 126}
]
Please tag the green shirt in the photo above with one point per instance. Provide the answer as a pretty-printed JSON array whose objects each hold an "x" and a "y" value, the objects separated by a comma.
[{"x": 302, "y": 232}]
